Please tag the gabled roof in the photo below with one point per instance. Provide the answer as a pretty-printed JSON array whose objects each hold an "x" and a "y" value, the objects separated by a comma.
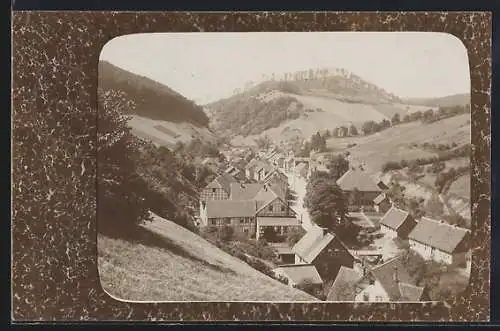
[
  {"x": 222, "y": 181},
  {"x": 390, "y": 275},
  {"x": 410, "y": 292},
  {"x": 440, "y": 235},
  {"x": 344, "y": 285},
  {"x": 394, "y": 218},
  {"x": 357, "y": 179},
  {"x": 379, "y": 198},
  {"x": 244, "y": 191},
  {"x": 253, "y": 163},
  {"x": 231, "y": 208},
  {"x": 313, "y": 243},
  {"x": 298, "y": 273}
]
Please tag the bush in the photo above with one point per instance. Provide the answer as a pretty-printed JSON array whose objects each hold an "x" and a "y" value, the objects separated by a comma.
[
  {"x": 225, "y": 233},
  {"x": 295, "y": 235}
]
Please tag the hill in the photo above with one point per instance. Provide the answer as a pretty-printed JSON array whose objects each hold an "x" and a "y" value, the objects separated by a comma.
[
  {"x": 406, "y": 142},
  {"x": 169, "y": 263},
  {"x": 302, "y": 106},
  {"x": 161, "y": 115},
  {"x": 447, "y": 101},
  {"x": 167, "y": 133}
]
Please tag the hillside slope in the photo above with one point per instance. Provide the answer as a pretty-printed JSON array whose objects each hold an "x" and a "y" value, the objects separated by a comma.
[
  {"x": 170, "y": 263},
  {"x": 161, "y": 115},
  {"x": 447, "y": 101},
  {"x": 398, "y": 143},
  {"x": 301, "y": 107}
]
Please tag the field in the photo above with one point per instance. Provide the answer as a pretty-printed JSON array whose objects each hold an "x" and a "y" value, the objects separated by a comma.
[
  {"x": 170, "y": 263},
  {"x": 393, "y": 144},
  {"x": 166, "y": 133},
  {"x": 461, "y": 187},
  {"x": 328, "y": 113}
]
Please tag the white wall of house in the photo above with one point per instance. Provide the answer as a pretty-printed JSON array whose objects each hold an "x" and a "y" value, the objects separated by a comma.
[
  {"x": 388, "y": 232},
  {"x": 424, "y": 250},
  {"x": 372, "y": 293},
  {"x": 299, "y": 260},
  {"x": 430, "y": 253},
  {"x": 203, "y": 214}
]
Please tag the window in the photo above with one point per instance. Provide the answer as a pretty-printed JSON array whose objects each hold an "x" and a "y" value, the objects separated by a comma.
[
  {"x": 214, "y": 222},
  {"x": 270, "y": 207},
  {"x": 283, "y": 208},
  {"x": 228, "y": 221},
  {"x": 213, "y": 190},
  {"x": 378, "y": 298}
]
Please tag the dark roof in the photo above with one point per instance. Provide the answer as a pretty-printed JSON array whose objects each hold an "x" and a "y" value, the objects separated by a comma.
[
  {"x": 394, "y": 218},
  {"x": 382, "y": 185},
  {"x": 231, "y": 208},
  {"x": 390, "y": 274},
  {"x": 440, "y": 235},
  {"x": 244, "y": 191},
  {"x": 379, "y": 198},
  {"x": 222, "y": 181},
  {"x": 313, "y": 243},
  {"x": 344, "y": 285},
  {"x": 357, "y": 179},
  {"x": 301, "y": 272}
]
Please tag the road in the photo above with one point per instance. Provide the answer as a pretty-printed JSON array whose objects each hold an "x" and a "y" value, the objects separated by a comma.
[{"x": 298, "y": 184}]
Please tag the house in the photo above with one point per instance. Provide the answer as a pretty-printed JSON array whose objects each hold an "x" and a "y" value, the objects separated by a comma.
[
  {"x": 235, "y": 172},
  {"x": 389, "y": 282},
  {"x": 297, "y": 274},
  {"x": 324, "y": 250},
  {"x": 244, "y": 191},
  {"x": 439, "y": 241},
  {"x": 218, "y": 189},
  {"x": 262, "y": 170},
  {"x": 275, "y": 218},
  {"x": 238, "y": 214},
  {"x": 345, "y": 284},
  {"x": 284, "y": 252},
  {"x": 382, "y": 185},
  {"x": 360, "y": 187},
  {"x": 250, "y": 168},
  {"x": 264, "y": 211},
  {"x": 381, "y": 203},
  {"x": 397, "y": 223}
]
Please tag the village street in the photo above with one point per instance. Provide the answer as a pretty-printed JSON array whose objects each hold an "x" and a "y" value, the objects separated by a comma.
[{"x": 298, "y": 184}]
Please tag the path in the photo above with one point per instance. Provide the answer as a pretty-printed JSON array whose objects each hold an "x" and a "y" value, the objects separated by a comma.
[{"x": 298, "y": 184}]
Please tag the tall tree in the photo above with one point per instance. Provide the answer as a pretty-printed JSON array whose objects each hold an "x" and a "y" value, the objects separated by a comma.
[
  {"x": 338, "y": 166},
  {"x": 121, "y": 190},
  {"x": 263, "y": 142},
  {"x": 396, "y": 119},
  {"x": 327, "y": 205},
  {"x": 353, "y": 131}
]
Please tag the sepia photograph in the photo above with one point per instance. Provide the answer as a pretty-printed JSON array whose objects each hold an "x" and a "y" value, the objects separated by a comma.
[{"x": 284, "y": 167}]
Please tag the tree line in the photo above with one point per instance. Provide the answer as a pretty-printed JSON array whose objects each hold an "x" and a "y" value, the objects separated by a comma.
[
  {"x": 462, "y": 151},
  {"x": 426, "y": 117}
]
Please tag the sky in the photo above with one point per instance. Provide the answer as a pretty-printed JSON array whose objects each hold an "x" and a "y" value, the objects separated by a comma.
[{"x": 205, "y": 67}]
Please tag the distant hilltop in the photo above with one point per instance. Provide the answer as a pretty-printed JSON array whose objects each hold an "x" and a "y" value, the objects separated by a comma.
[{"x": 316, "y": 74}]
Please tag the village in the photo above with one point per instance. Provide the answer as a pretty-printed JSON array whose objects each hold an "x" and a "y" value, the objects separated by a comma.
[{"x": 259, "y": 195}]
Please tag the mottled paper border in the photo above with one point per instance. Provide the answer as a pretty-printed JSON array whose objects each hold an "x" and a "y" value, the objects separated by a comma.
[{"x": 54, "y": 258}]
